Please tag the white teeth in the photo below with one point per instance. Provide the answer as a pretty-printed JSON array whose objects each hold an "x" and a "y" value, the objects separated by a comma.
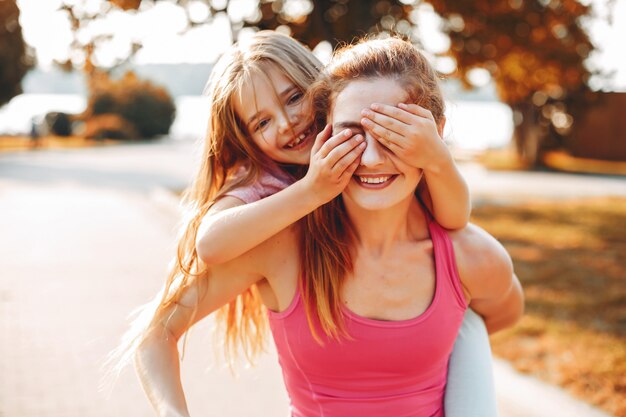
[
  {"x": 298, "y": 140},
  {"x": 374, "y": 180}
]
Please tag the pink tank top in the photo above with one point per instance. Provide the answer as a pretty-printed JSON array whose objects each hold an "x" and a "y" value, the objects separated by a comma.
[{"x": 388, "y": 368}]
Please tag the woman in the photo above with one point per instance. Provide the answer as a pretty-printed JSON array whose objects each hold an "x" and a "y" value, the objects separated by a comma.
[{"x": 365, "y": 298}]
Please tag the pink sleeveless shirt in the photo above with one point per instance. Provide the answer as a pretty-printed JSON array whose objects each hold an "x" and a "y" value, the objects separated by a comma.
[
  {"x": 268, "y": 183},
  {"x": 387, "y": 368}
]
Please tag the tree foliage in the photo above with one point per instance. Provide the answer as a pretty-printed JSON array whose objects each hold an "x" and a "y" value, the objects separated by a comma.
[
  {"x": 534, "y": 49},
  {"x": 535, "y": 52},
  {"x": 15, "y": 60}
]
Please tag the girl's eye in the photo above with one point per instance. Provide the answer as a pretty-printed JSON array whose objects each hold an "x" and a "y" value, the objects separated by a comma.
[
  {"x": 261, "y": 124},
  {"x": 295, "y": 98}
]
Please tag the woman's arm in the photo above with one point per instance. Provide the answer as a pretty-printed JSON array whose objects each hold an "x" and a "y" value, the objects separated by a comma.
[
  {"x": 231, "y": 228},
  {"x": 158, "y": 368},
  {"x": 486, "y": 271},
  {"x": 157, "y": 357}
]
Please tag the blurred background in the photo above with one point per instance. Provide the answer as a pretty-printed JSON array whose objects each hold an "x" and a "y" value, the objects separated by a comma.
[
  {"x": 101, "y": 106},
  {"x": 527, "y": 70}
]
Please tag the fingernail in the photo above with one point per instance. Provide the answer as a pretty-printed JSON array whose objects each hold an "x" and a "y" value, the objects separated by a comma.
[
  {"x": 347, "y": 132},
  {"x": 375, "y": 106},
  {"x": 402, "y": 105},
  {"x": 365, "y": 122},
  {"x": 366, "y": 112},
  {"x": 362, "y": 145},
  {"x": 358, "y": 138}
]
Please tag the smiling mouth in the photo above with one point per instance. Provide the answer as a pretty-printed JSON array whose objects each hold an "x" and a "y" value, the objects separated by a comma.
[
  {"x": 374, "y": 181},
  {"x": 301, "y": 139}
]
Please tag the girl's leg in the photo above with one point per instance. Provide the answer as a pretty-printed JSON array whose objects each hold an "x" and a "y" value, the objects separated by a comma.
[{"x": 470, "y": 390}]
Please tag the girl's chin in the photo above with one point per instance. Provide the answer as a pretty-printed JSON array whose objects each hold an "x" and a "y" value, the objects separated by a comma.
[{"x": 299, "y": 157}]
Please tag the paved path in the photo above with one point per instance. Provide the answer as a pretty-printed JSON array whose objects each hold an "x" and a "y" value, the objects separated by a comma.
[{"x": 85, "y": 236}]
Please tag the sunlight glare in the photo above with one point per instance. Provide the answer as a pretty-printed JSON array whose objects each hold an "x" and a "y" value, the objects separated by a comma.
[{"x": 240, "y": 10}]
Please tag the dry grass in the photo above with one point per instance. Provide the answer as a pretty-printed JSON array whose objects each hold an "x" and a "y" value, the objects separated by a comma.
[
  {"x": 570, "y": 258},
  {"x": 501, "y": 160},
  {"x": 24, "y": 143},
  {"x": 507, "y": 160}
]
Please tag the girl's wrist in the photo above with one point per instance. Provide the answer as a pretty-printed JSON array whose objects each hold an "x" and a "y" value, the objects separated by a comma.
[
  {"x": 439, "y": 165},
  {"x": 307, "y": 195}
]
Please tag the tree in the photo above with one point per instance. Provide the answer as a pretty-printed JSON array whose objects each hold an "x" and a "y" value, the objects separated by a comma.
[
  {"x": 336, "y": 21},
  {"x": 535, "y": 52},
  {"x": 533, "y": 49},
  {"x": 15, "y": 60}
]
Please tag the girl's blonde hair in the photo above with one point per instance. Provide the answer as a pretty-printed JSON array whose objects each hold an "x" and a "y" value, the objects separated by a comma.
[
  {"x": 227, "y": 147},
  {"x": 327, "y": 234}
]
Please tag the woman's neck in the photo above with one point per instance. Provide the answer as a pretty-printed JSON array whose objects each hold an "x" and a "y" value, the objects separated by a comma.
[{"x": 378, "y": 231}]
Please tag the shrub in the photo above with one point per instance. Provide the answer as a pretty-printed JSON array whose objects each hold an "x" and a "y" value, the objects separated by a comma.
[
  {"x": 109, "y": 126},
  {"x": 149, "y": 108}
]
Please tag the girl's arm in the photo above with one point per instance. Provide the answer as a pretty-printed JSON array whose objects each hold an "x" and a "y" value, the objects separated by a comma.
[
  {"x": 411, "y": 133},
  {"x": 448, "y": 193},
  {"x": 231, "y": 228}
]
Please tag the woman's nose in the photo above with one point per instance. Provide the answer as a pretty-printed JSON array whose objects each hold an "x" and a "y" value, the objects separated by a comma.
[{"x": 374, "y": 153}]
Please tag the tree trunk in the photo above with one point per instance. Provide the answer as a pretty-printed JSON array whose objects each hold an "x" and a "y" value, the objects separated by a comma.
[{"x": 528, "y": 134}]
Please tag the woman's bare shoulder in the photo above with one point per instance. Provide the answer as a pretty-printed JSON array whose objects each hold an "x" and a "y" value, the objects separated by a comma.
[{"x": 481, "y": 259}]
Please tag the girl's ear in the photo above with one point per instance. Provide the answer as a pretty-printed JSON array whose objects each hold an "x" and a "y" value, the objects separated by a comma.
[{"x": 441, "y": 125}]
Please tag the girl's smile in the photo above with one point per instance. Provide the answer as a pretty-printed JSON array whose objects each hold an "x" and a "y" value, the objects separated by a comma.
[
  {"x": 302, "y": 140},
  {"x": 277, "y": 116}
]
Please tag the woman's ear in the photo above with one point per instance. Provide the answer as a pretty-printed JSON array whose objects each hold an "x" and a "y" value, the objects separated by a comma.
[{"x": 441, "y": 125}]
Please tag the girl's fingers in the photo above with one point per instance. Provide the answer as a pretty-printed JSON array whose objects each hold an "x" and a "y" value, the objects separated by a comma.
[
  {"x": 348, "y": 159},
  {"x": 417, "y": 110},
  {"x": 320, "y": 139},
  {"x": 334, "y": 141},
  {"x": 348, "y": 172},
  {"x": 343, "y": 149},
  {"x": 385, "y": 136},
  {"x": 389, "y": 122},
  {"x": 393, "y": 112}
]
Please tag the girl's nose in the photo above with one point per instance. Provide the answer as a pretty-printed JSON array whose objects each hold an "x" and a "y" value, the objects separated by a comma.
[
  {"x": 286, "y": 121},
  {"x": 374, "y": 153}
]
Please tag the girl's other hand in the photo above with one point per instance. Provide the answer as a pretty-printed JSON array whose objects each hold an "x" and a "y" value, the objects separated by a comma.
[
  {"x": 409, "y": 131},
  {"x": 333, "y": 161}
]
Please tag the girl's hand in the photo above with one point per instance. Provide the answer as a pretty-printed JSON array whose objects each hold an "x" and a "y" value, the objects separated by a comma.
[
  {"x": 409, "y": 131},
  {"x": 333, "y": 161}
]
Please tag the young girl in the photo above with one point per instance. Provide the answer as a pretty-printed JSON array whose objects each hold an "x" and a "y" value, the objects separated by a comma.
[{"x": 248, "y": 188}]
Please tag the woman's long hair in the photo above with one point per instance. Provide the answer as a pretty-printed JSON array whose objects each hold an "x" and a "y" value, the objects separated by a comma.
[
  {"x": 227, "y": 152},
  {"x": 327, "y": 236}
]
